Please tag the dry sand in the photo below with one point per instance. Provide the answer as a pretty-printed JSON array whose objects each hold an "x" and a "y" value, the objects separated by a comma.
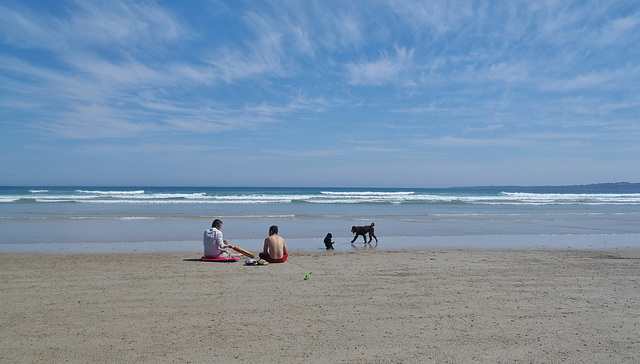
[{"x": 428, "y": 306}]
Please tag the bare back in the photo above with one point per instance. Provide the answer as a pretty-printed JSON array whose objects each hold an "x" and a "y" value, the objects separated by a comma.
[{"x": 275, "y": 246}]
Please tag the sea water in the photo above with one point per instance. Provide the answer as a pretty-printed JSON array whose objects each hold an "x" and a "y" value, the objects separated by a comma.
[{"x": 158, "y": 219}]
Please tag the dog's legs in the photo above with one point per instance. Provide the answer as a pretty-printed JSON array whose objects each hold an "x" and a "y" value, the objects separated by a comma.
[
  {"x": 364, "y": 237},
  {"x": 354, "y": 238},
  {"x": 374, "y": 235}
]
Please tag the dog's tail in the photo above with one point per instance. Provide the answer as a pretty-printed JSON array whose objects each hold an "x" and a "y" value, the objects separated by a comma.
[{"x": 372, "y": 224}]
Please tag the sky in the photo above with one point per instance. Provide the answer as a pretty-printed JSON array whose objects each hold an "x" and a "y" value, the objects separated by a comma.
[{"x": 362, "y": 93}]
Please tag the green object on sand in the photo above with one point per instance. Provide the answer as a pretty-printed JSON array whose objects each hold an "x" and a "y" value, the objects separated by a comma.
[{"x": 306, "y": 278}]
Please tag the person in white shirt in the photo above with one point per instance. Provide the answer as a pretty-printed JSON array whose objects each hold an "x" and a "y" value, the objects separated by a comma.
[{"x": 214, "y": 244}]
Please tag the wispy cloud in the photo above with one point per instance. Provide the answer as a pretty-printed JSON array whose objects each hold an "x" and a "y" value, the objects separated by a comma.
[
  {"x": 387, "y": 68},
  {"x": 90, "y": 24},
  {"x": 449, "y": 141},
  {"x": 438, "y": 16},
  {"x": 152, "y": 148},
  {"x": 303, "y": 153},
  {"x": 380, "y": 150},
  {"x": 605, "y": 79},
  {"x": 618, "y": 30}
]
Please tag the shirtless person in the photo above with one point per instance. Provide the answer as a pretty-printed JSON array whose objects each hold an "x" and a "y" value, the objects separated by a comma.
[{"x": 275, "y": 248}]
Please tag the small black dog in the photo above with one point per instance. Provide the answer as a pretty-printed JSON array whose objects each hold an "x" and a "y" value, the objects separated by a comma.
[
  {"x": 327, "y": 241},
  {"x": 364, "y": 230}
]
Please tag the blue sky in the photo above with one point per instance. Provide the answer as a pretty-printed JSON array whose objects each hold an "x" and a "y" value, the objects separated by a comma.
[{"x": 319, "y": 93}]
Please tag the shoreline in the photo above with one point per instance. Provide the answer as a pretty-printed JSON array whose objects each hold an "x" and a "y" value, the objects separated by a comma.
[
  {"x": 386, "y": 243},
  {"x": 426, "y": 305}
]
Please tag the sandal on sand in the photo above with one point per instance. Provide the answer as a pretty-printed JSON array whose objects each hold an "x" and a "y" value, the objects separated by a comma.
[{"x": 262, "y": 262}]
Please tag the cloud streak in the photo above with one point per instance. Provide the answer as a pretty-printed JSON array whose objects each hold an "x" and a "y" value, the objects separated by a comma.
[{"x": 384, "y": 70}]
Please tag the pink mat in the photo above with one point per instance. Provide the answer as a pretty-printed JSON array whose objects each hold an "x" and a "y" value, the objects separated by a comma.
[{"x": 232, "y": 259}]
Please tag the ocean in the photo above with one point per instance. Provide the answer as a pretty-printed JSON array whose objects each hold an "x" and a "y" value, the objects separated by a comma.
[{"x": 160, "y": 219}]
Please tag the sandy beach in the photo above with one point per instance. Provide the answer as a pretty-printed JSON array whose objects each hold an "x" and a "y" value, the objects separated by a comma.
[{"x": 365, "y": 306}]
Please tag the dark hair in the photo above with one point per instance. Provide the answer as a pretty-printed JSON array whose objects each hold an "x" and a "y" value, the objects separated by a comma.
[
  {"x": 216, "y": 223},
  {"x": 273, "y": 229}
]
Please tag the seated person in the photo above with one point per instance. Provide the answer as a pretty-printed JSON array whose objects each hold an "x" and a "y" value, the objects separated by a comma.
[
  {"x": 275, "y": 248},
  {"x": 214, "y": 243}
]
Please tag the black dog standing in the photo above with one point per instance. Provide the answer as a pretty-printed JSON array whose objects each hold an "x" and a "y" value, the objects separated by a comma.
[
  {"x": 364, "y": 230},
  {"x": 327, "y": 241}
]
